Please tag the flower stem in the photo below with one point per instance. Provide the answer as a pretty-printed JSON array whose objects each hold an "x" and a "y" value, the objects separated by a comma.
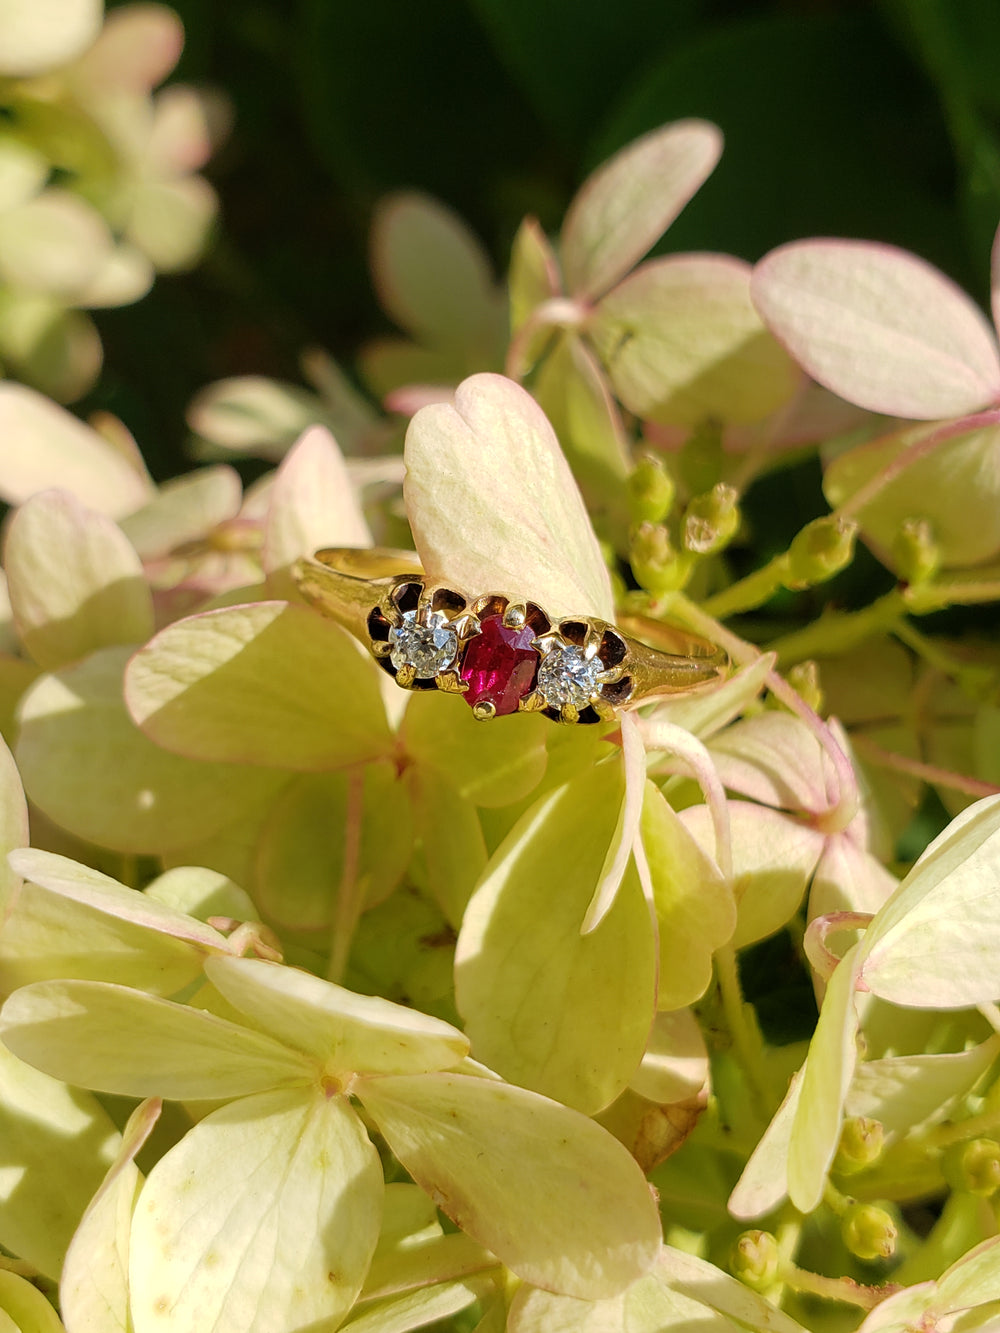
[
  {"x": 750, "y": 592},
  {"x": 838, "y": 632},
  {"x": 743, "y": 1031},
  {"x": 843, "y": 1289}
]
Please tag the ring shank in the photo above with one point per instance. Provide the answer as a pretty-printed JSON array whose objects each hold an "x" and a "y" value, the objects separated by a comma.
[{"x": 664, "y": 660}]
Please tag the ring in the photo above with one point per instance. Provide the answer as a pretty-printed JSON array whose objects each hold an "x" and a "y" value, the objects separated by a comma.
[{"x": 500, "y": 655}]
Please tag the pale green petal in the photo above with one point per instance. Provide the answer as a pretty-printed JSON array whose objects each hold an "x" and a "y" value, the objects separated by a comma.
[
  {"x": 432, "y": 275},
  {"x": 675, "y": 1064},
  {"x": 775, "y": 759},
  {"x": 24, "y": 1309},
  {"x": 535, "y": 1311},
  {"x": 75, "y": 581},
  {"x": 423, "y": 1262},
  {"x": 706, "y": 1283},
  {"x": 266, "y": 683},
  {"x": 493, "y": 505},
  {"x": 93, "y": 1288},
  {"x": 416, "y": 1309},
  {"x": 253, "y": 415},
  {"x": 555, "y": 1197},
  {"x": 313, "y": 503},
  {"x": 53, "y": 245},
  {"x": 827, "y": 1075},
  {"x": 879, "y": 327},
  {"x": 184, "y": 510},
  {"x": 45, "y": 446},
  {"x": 773, "y": 859},
  {"x": 534, "y": 272},
  {"x": 626, "y": 205},
  {"x": 907, "y": 1091},
  {"x": 201, "y": 893},
  {"x": 936, "y": 942},
  {"x": 973, "y": 1279},
  {"x": 625, "y": 843},
  {"x": 548, "y": 1007},
  {"x": 488, "y": 765},
  {"x": 695, "y": 908},
  {"x": 764, "y": 1182},
  {"x": 682, "y": 343},
  {"x": 262, "y": 1219},
  {"x": 344, "y": 1031},
  {"x": 13, "y": 824},
  {"x": 320, "y": 817},
  {"x": 170, "y": 221},
  {"x": 57, "y": 1144},
  {"x": 452, "y": 852},
  {"x": 45, "y": 34},
  {"x": 114, "y": 1039},
  {"x": 93, "y": 772}
]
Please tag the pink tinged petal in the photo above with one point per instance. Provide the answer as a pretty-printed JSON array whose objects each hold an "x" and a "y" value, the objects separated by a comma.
[
  {"x": 137, "y": 48},
  {"x": 47, "y": 33},
  {"x": 848, "y": 879},
  {"x": 118, "y": 1040},
  {"x": 936, "y": 942},
  {"x": 58, "y": 1142},
  {"x": 628, "y": 203},
  {"x": 266, "y": 683},
  {"x": 93, "y": 1285},
  {"x": 764, "y": 1182},
  {"x": 774, "y": 758},
  {"x": 345, "y": 1031},
  {"x": 263, "y": 1219},
  {"x": 554, "y": 1196},
  {"x": 534, "y": 272},
  {"x": 74, "y": 579},
  {"x": 827, "y": 1074},
  {"x": 681, "y": 341},
  {"x": 879, "y": 327},
  {"x": 493, "y": 505},
  {"x": 45, "y": 446},
  {"x": 313, "y": 503},
  {"x": 184, "y": 509},
  {"x": 181, "y": 137},
  {"x": 432, "y": 275}
]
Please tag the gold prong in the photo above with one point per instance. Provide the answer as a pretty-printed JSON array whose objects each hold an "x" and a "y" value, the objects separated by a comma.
[
  {"x": 532, "y": 703},
  {"x": 605, "y": 710},
  {"x": 381, "y": 648},
  {"x": 466, "y": 626},
  {"x": 592, "y": 642},
  {"x": 450, "y": 683},
  {"x": 569, "y": 713},
  {"x": 515, "y": 615},
  {"x": 484, "y": 710},
  {"x": 405, "y": 676}
]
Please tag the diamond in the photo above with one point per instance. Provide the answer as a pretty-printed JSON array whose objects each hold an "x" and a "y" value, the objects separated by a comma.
[
  {"x": 428, "y": 647},
  {"x": 566, "y": 676},
  {"x": 499, "y": 665}
]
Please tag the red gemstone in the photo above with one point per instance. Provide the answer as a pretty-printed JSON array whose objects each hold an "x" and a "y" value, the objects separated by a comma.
[{"x": 499, "y": 665}]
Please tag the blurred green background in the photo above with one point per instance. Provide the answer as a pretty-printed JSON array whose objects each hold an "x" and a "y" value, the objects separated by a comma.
[{"x": 878, "y": 120}]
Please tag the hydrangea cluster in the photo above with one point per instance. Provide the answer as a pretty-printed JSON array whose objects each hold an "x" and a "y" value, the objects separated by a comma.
[{"x": 327, "y": 1005}]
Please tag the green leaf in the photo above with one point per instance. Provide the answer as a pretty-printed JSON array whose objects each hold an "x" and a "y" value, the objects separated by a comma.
[
  {"x": 119, "y": 789},
  {"x": 555, "y": 1197},
  {"x": 93, "y": 1288},
  {"x": 58, "y": 1142},
  {"x": 628, "y": 203},
  {"x": 114, "y": 1039},
  {"x": 477, "y": 523},
  {"x": 76, "y": 584},
  {"x": 212, "y": 1244},
  {"x": 490, "y": 765},
  {"x": 300, "y": 861},
  {"x": 694, "y": 905},
  {"x": 879, "y": 327},
  {"x": 266, "y": 683},
  {"x": 550, "y": 1008},
  {"x": 312, "y": 503},
  {"x": 343, "y": 1031},
  {"x": 682, "y": 343}
]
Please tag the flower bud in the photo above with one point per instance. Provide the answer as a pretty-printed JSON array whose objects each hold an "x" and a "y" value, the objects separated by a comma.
[
  {"x": 823, "y": 548},
  {"x": 868, "y": 1231},
  {"x": 651, "y": 490},
  {"x": 711, "y": 520},
  {"x": 861, "y": 1142},
  {"x": 804, "y": 680},
  {"x": 974, "y": 1167},
  {"x": 916, "y": 554},
  {"x": 657, "y": 565},
  {"x": 754, "y": 1259}
]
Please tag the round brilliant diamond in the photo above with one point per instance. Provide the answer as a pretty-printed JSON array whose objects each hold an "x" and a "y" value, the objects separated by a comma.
[{"x": 428, "y": 647}]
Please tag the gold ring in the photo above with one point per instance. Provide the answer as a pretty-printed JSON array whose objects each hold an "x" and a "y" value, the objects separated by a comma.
[{"x": 502, "y": 656}]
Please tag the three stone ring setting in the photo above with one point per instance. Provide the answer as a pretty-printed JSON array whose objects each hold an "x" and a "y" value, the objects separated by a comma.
[{"x": 501, "y": 655}]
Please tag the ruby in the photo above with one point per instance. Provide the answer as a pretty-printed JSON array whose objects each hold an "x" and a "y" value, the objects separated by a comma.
[{"x": 500, "y": 665}]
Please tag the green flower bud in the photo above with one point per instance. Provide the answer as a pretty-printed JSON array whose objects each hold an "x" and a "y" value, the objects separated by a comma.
[
  {"x": 916, "y": 554},
  {"x": 754, "y": 1259},
  {"x": 711, "y": 520},
  {"x": 868, "y": 1231},
  {"x": 651, "y": 490},
  {"x": 657, "y": 565},
  {"x": 861, "y": 1142},
  {"x": 823, "y": 548},
  {"x": 804, "y": 679},
  {"x": 974, "y": 1167}
]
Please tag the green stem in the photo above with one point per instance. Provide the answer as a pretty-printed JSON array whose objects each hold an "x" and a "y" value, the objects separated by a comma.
[
  {"x": 743, "y": 1032},
  {"x": 750, "y": 592},
  {"x": 350, "y": 892},
  {"x": 838, "y": 632},
  {"x": 977, "y": 1126},
  {"x": 842, "y": 1289}
]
